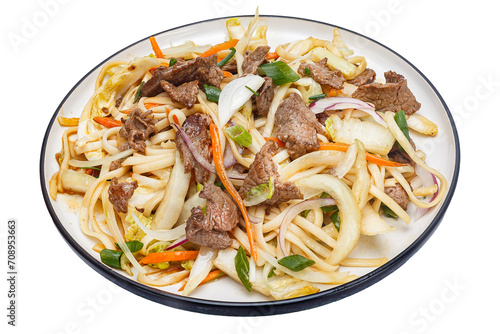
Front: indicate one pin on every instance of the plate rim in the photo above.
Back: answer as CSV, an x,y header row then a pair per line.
x,y
262,308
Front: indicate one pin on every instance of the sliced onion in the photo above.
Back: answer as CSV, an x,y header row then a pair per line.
x,y
201,160
346,164
177,243
161,235
235,94
294,210
339,103
201,267
428,179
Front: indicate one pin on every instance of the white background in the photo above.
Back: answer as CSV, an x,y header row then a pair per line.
x,y
450,285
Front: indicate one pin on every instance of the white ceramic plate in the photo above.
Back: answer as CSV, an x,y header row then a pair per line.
x,y
226,296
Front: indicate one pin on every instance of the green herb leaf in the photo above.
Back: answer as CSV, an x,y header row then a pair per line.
x,y
227,58
317,97
212,92
172,62
133,245
335,218
111,257
243,268
295,262
280,72
239,135
271,273
138,92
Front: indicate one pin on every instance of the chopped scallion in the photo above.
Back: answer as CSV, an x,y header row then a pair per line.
x,y
172,62
138,92
227,58
317,97
239,135
253,92
280,72
295,262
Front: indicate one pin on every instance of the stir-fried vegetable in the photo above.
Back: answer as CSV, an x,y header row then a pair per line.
x,y
113,257
219,47
169,256
295,262
280,72
239,135
242,266
221,171
156,48
370,157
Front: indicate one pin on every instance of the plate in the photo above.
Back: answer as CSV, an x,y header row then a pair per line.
x,y
226,297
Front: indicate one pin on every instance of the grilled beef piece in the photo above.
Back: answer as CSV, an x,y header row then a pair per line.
x,y
261,170
196,127
119,194
211,229
265,98
323,74
137,128
297,126
399,155
394,95
366,77
203,69
184,94
399,195
253,59
231,67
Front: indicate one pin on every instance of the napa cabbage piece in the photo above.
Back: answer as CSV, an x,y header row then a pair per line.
x,y
107,94
376,138
76,181
185,50
308,87
279,287
133,232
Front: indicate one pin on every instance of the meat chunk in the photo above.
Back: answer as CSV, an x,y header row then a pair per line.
x,y
211,229
261,170
119,194
196,127
399,195
184,94
253,59
297,126
394,95
366,77
323,74
231,67
265,98
137,128
203,69
399,155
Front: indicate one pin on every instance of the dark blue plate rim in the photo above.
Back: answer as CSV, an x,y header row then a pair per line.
x,y
252,308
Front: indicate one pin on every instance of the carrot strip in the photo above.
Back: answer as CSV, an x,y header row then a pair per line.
x,y
169,257
156,48
219,47
279,142
227,74
210,277
369,157
108,122
221,171
272,55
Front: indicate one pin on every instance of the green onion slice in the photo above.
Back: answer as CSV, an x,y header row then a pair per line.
x,y
295,262
138,92
280,72
400,119
172,62
212,92
111,257
317,97
227,58
239,135
243,268
253,92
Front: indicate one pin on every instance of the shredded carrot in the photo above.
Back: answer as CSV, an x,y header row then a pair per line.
x,y
156,48
219,47
369,157
333,92
279,142
169,257
272,55
108,122
214,274
221,172
67,121
176,120
227,74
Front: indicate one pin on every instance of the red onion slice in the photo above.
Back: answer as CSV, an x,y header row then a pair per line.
x,y
428,179
339,103
178,242
201,160
293,211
